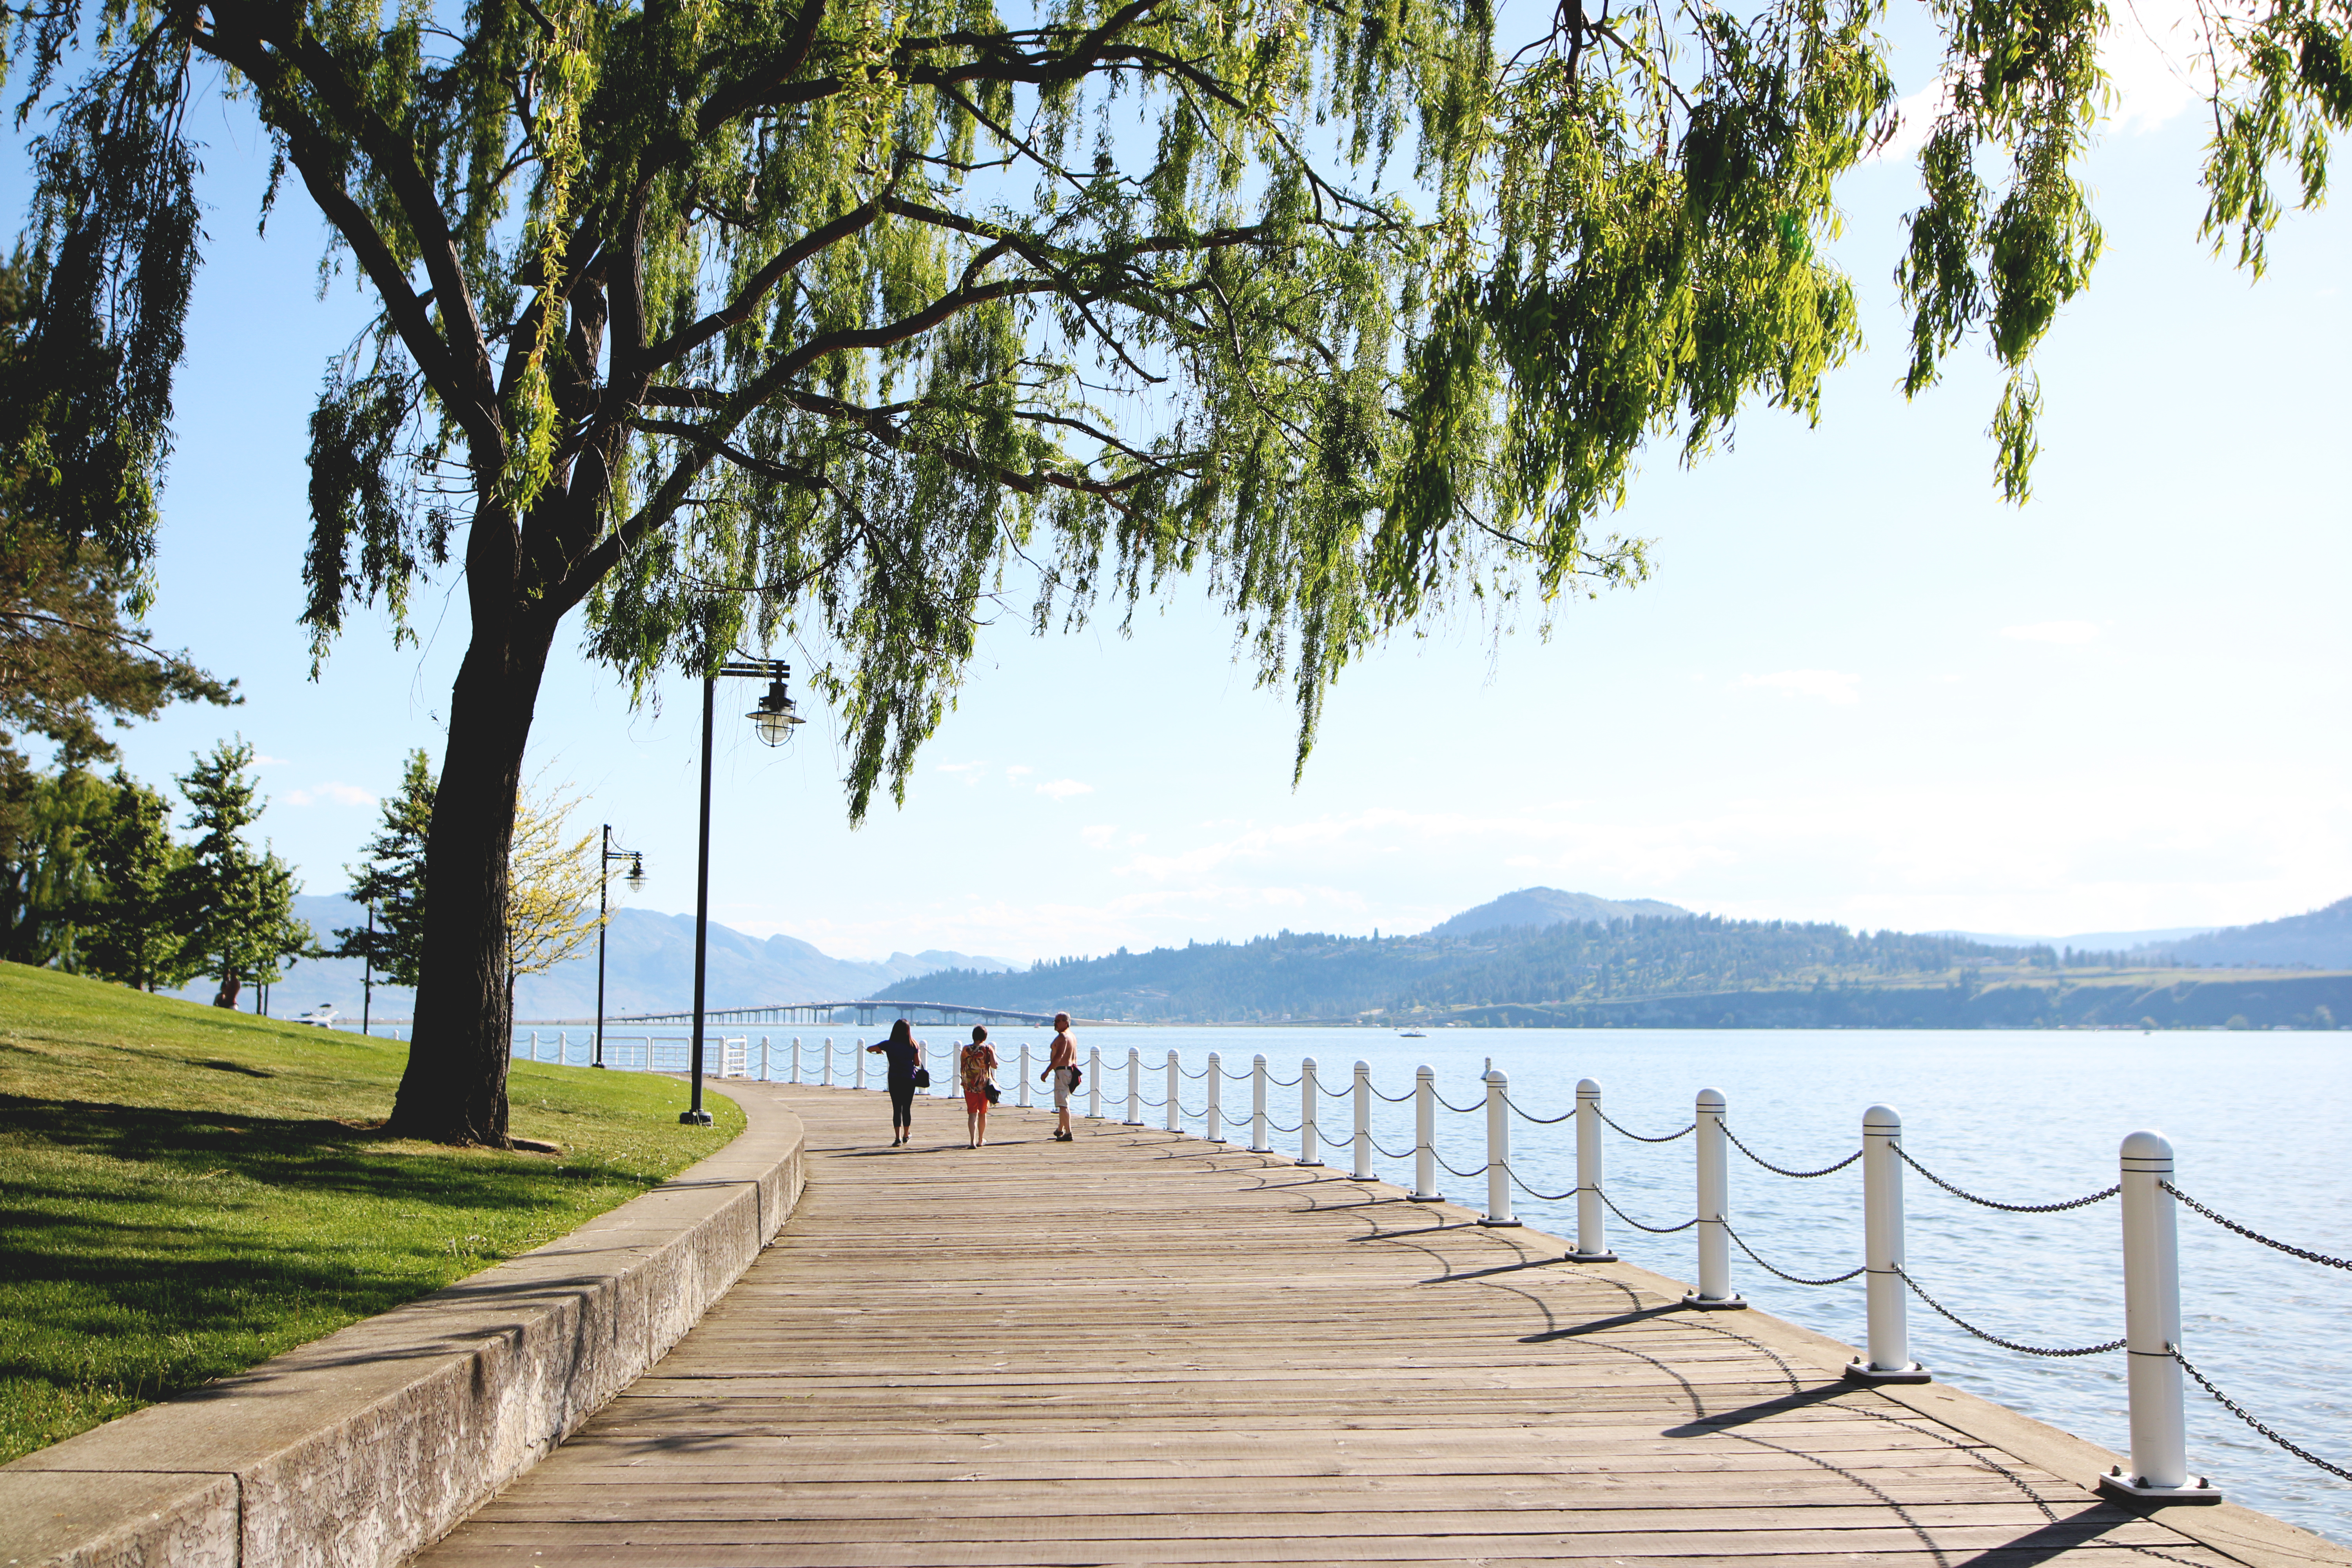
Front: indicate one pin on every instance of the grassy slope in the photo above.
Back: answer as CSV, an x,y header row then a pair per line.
x,y
184,1191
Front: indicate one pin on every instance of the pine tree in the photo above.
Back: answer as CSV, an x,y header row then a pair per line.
x,y
131,931
238,906
391,878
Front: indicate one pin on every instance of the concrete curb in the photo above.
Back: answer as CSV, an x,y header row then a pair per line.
x,y
358,1449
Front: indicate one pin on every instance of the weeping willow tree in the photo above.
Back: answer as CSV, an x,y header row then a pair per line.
x,y
837,322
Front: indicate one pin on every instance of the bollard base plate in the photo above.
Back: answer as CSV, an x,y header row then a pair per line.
x,y
1311,1164
1715,1303
2116,1481
1589,1257
1860,1371
1426,1198
1253,1148
694,1119
1501,1223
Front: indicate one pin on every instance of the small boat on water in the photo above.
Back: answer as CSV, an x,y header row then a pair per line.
x,y
1411,1034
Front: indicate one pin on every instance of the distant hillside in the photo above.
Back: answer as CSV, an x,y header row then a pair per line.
x,y
1541,907
2322,940
1309,975
649,968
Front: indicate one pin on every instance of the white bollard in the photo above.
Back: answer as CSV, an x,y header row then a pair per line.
x,y
1134,1092
562,1045
764,1060
2159,1436
1024,1074
828,1061
1216,1134
857,1055
1424,1136
1257,1143
1094,1083
1498,1150
1363,1138
1886,1356
796,1058
534,1044
1713,1202
1309,1152
1175,1094
1592,1233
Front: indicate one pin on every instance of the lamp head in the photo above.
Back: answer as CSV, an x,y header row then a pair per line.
x,y
775,716
635,877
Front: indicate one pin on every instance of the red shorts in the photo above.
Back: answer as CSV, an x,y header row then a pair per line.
x,y
975,1099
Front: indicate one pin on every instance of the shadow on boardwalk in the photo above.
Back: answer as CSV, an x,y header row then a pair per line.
x,y
1141,1349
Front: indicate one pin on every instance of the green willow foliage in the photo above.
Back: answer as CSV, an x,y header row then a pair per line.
x,y
735,321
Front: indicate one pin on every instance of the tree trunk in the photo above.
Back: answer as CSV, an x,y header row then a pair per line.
x,y
454,1088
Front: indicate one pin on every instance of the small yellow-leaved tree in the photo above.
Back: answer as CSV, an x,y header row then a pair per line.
x,y
551,885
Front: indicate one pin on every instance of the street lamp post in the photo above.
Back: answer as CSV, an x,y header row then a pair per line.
x,y
367,975
635,879
773,721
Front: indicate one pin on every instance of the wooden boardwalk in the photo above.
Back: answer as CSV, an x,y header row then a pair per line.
x,y
1141,1349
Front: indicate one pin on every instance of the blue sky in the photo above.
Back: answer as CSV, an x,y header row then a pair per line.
x,y
1858,687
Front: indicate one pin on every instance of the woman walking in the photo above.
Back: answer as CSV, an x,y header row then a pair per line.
x,y
1062,1069
979,1079
904,1054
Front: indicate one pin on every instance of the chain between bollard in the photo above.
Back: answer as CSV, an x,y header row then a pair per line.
x,y
1465,1175
1780,1171
1547,1197
1393,1153
1637,1224
1282,1083
1996,1339
2240,1411
1393,1099
1457,1109
2227,1223
2098,1197
1196,1077
1274,1126
1638,1138
1531,1116
1791,1279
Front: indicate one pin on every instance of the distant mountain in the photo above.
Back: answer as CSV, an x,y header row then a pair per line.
x,y
2085,942
2322,939
1541,907
1302,975
649,968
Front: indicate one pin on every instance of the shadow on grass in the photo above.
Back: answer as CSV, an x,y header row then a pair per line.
x,y
202,1242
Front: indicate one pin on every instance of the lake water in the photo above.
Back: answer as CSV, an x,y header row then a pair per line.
x,y
2256,1121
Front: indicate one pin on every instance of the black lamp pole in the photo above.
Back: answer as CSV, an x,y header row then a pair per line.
x,y
367,975
604,882
773,720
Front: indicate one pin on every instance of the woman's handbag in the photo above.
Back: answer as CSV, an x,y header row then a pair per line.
x,y
922,1078
993,1093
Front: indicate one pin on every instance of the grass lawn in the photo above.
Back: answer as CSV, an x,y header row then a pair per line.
x,y
184,1191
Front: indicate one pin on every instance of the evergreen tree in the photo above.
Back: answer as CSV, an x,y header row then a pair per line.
x,y
131,931
392,878
238,906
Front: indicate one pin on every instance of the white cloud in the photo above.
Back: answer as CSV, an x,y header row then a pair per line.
x,y
1828,685
264,760
1099,837
1019,771
1063,789
2070,632
969,772
331,793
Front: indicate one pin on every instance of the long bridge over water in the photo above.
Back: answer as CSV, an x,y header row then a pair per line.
x,y
865,1010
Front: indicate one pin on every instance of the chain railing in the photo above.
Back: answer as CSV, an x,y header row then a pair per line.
x,y
2152,1321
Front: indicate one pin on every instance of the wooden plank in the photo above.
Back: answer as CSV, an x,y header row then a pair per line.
x,y
1136,1349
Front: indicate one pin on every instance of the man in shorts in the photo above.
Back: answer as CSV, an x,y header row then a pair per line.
x,y
1062,1068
